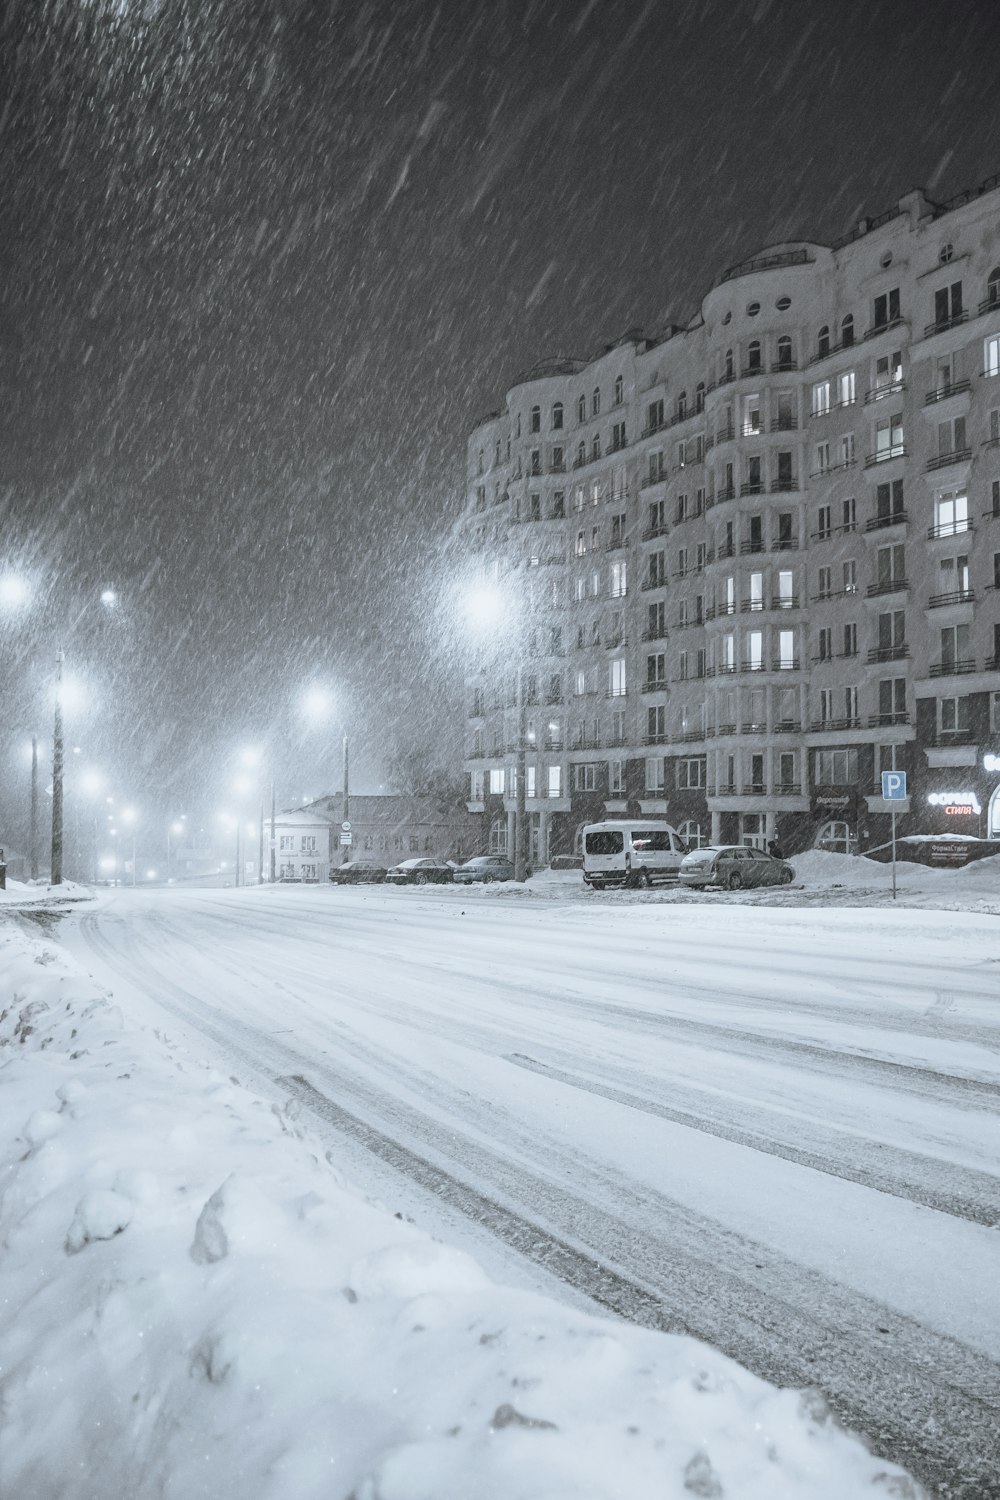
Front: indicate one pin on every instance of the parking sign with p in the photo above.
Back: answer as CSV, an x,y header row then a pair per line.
x,y
893,786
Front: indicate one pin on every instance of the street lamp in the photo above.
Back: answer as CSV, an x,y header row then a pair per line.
x,y
318,704
487,608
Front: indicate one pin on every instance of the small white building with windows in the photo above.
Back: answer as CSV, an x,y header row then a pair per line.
x,y
303,845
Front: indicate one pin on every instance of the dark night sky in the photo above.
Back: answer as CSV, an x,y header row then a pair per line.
x,y
264,262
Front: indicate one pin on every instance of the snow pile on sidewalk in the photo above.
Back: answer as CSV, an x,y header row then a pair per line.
x,y
195,1305
40,893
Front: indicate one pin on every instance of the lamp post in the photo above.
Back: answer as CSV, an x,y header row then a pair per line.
x,y
487,608
55,874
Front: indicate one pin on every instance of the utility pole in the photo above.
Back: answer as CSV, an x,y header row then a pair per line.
x,y
34,807
345,816
521,793
55,875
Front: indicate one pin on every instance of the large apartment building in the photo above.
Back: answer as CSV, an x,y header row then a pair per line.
x,y
755,561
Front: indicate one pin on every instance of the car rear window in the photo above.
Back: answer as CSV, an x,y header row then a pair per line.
x,y
606,841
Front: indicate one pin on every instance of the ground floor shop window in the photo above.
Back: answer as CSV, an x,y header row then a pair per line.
x,y
752,830
835,837
993,816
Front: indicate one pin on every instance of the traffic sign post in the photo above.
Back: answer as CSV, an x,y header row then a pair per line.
x,y
893,790
346,835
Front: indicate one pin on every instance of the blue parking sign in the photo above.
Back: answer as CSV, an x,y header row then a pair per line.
x,y
893,786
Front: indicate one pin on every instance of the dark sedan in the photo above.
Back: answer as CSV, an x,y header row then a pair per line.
x,y
420,872
356,872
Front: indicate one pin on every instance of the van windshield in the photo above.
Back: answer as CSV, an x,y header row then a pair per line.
x,y
605,841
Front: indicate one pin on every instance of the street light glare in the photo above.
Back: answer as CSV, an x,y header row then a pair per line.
x,y
485,606
14,591
317,702
109,598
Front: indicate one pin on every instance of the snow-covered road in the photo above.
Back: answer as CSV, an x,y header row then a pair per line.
x,y
776,1129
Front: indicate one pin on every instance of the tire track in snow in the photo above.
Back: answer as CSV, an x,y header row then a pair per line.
x,y
980,1203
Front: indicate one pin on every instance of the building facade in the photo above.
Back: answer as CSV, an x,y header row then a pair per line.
x,y
384,830
753,562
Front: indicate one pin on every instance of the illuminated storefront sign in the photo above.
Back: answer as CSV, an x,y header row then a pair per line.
x,y
991,762
956,804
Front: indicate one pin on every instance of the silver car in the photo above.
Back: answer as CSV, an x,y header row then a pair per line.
x,y
484,869
733,867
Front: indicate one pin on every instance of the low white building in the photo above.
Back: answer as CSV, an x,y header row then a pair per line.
x,y
303,845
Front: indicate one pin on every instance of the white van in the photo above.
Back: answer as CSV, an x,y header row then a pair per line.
x,y
631,851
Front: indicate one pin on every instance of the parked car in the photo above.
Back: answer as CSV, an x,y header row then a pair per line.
x,y
631,851
485,868
356,872
733,867
420,872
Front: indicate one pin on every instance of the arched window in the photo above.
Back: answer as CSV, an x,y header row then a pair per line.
x,y
581,452
581,409
823,341
847,331
993,288
692,835
784,353
682,404
595,401
498,836
557,415
835,837
753,354
536,419
699,396
619,391
729,364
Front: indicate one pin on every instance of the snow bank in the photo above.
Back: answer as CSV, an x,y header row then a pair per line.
x,y
39,892
196,1305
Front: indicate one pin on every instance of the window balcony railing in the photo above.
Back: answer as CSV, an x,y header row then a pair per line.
x,y
722,789
942,392
893,518
725,433
652,479
953,596
554,742
784,486
651,532
884,720
787,726
945,737
654,685
788,789
553,698
887,586
888,653
834,726
587,742
659,633
781,365
784,424
751,429
990,304
725,729
616,693
879,392
877,328
754,789
751,606
949,528
960,667
752,487
756,544
785,544
786,664
655,739
725,492
725,550
751,726
883,455
943,324
616,543
944,460
653,583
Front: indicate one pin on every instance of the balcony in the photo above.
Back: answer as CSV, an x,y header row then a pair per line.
x,y
725,492
784,486
956,388
784,423
752,487
725,434
943,324
788,726
770,262
990,304
652,532
887,586
949,528
659,634
884,721
553,742
754,789
961,667
787,664
945,460
553,698
833,726
879,392
654,685
893,518
954,596
724,551
884,455
887,653
654,583
751,727
651,479
724,789
877,328
785,544
947,737
780,366
654,739
617,543
755,545
788,789
587,742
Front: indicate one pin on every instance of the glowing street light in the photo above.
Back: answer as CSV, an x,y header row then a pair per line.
x,y
15,591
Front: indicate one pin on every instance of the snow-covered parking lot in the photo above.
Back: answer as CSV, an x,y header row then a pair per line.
x,y
765,1125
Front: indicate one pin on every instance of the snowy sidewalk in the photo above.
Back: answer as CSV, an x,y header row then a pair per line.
x,y
195,1305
